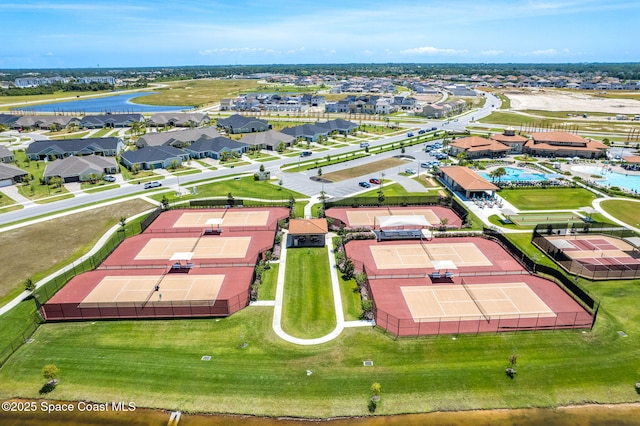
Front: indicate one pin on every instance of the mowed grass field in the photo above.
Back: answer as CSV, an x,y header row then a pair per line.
x,y
308,309
626,211
548,198
197,92
37,250
157,364
370,168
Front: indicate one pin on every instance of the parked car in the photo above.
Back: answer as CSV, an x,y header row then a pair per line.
x,y
374,181
434,128
410,134
365,184
109,178
153,184
305,153
364,144
425,165
410,171
421,132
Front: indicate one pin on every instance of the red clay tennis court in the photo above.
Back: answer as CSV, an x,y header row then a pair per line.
x,y
175,268
369,217
459,285
146,293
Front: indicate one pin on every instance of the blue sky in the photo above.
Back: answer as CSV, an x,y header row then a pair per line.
x,y
117,33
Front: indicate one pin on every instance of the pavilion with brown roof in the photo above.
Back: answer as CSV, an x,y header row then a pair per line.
x,y
564,144
467,181
307,232
476,146
631,162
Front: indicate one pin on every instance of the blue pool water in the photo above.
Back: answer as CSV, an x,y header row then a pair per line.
x,y
515,174
630,182
115,104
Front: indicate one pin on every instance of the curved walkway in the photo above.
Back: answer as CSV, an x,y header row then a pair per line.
x,y
337,301
596,205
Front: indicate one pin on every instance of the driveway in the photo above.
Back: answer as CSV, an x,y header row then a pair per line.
x,y
12,192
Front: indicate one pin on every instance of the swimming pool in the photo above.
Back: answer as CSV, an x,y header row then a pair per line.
x,y
631,182
514,175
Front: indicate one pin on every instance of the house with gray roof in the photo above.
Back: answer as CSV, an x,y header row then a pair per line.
x,y
10,174
179,119
339,125
6,155
110,120
268,140
45,122
80,169
178,138
308,132
215,147
240,124
8,120
39,150
153,157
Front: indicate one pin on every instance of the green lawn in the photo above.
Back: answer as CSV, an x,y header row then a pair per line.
x,y
548,198
308,309
626,211
244,187
269,280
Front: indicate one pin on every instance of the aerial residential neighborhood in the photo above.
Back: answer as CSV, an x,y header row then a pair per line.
x,y
252,213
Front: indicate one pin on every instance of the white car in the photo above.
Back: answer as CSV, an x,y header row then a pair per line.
x,y
153,184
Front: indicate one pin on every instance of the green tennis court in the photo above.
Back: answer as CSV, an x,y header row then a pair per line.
x,y
535,218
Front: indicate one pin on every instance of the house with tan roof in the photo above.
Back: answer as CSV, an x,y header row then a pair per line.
x,y
564,144
477,147
307,232
465,180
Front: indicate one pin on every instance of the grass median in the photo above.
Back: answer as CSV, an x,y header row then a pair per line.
x,y
308,310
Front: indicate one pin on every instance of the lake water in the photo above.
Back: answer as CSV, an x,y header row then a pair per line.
x,y
628,181
114,104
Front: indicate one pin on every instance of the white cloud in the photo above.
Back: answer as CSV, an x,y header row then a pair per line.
x,y
544,52
491,52
430,50
225,50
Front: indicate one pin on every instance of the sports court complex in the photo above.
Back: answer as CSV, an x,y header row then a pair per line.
x,y
607,253
427,217
430,286
187,263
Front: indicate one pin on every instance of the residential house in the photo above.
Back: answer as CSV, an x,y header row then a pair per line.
x,y
215,147
478,147
153,157
177,139
564,144
240,124
110,120
308,132
39,150
10,174
80,169
175,119
8,120
46,122
6,155
339,125
269,140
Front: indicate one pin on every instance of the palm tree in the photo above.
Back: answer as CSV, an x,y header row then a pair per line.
x,y
498,173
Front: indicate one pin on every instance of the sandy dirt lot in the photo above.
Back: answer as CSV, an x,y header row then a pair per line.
x,y
569,101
